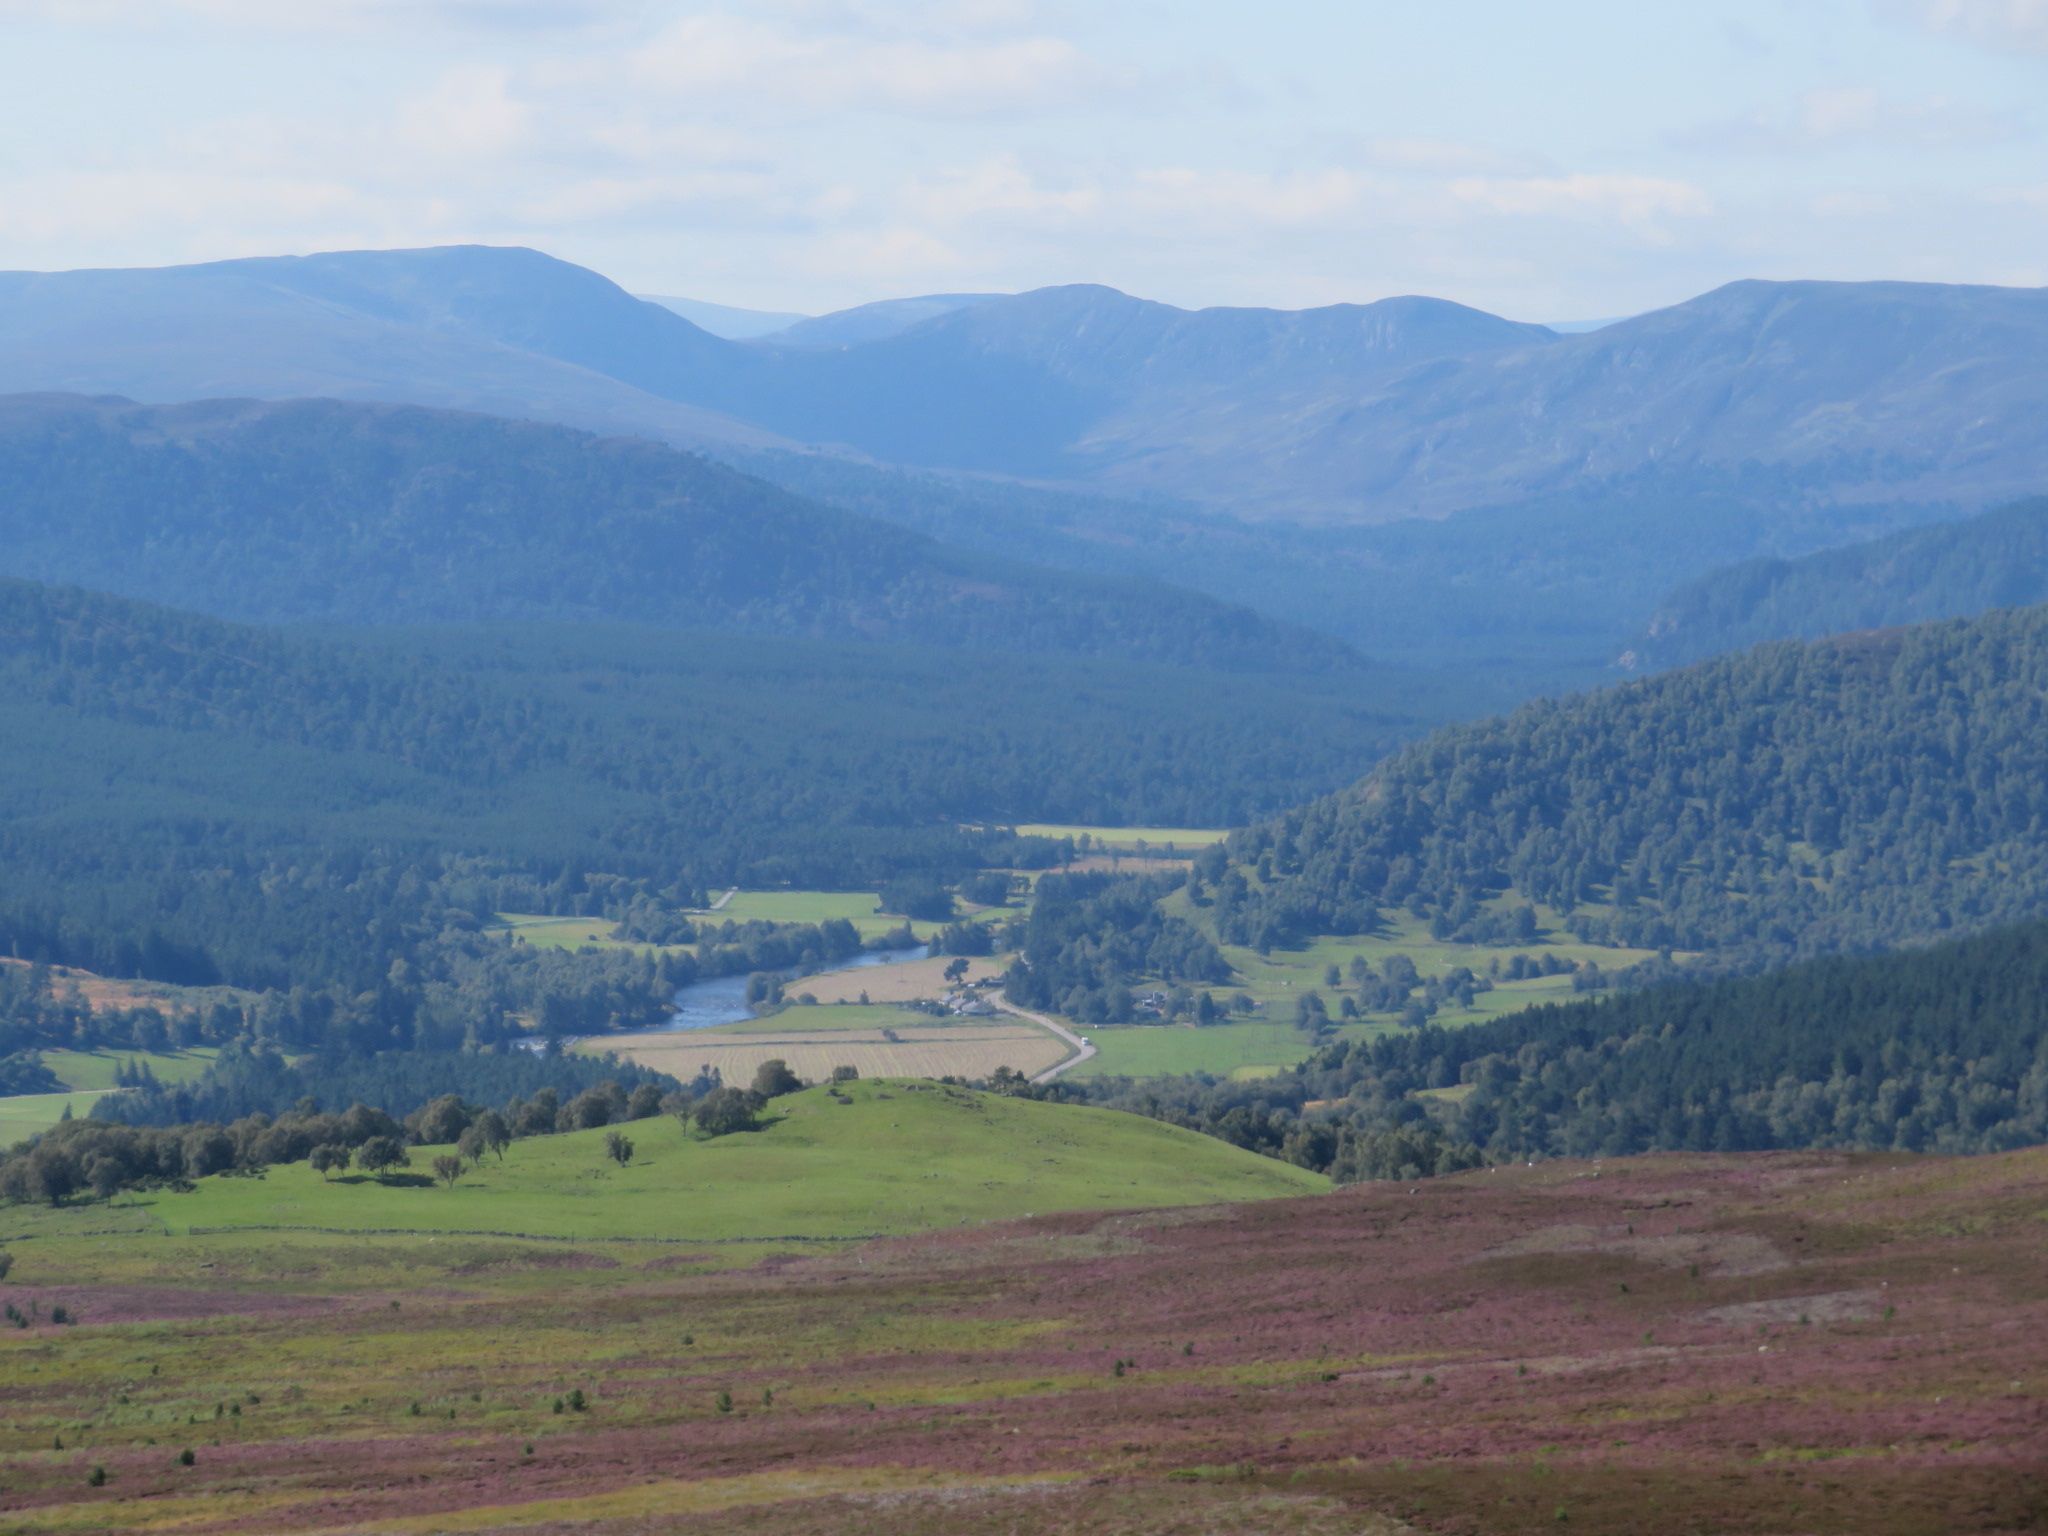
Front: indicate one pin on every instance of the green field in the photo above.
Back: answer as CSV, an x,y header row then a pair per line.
x,y
563,932
30,1114
83,1070
1128,837
856,907
1279,978
90,1075
1267,1041
901,1157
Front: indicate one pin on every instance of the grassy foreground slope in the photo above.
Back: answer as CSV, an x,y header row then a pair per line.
x,y
898,1158
1820,1343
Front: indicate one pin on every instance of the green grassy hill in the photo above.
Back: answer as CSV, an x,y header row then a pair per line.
x,y
898,1158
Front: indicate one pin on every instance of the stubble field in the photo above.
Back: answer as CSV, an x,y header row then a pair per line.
x,y
966,1049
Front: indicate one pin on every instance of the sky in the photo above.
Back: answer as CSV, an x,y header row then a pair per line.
x,y
1571,159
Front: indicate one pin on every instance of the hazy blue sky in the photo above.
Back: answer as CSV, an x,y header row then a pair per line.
x,y
1545,160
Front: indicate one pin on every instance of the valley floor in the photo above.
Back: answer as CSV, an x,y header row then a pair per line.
x,y
1822,1343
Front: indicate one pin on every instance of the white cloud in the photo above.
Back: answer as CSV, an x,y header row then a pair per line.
x,y
809,153
1638,202
1852,205
470,112
2015,26
356,15
1834,116
751,64
1439,157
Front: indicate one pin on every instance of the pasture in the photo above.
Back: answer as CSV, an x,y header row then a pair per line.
x,y
85,1070
30,1114
855,907
563,932
1277,979
89,1077
893,1157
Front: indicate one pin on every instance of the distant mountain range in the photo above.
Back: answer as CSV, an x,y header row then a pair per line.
x,y
1808,392
364,514
725,320
872,322
1409,474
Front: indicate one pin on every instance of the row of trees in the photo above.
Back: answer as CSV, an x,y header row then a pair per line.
x,y
105,1156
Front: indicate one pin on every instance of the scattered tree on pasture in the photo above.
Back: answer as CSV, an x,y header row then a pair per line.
x,y
618,1148
380,1154
448,1169
772,1079
491,1128
725,1110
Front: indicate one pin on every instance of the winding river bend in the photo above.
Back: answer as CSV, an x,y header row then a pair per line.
x,y
708,1004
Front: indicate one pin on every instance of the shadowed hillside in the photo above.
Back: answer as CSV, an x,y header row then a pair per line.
x,y
356,514
1953,570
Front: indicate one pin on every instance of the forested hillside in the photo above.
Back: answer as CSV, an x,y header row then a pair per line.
x,y
195,800
359,514
1795,799
1952,570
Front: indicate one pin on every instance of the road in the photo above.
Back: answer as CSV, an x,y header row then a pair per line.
x,y
1082,1049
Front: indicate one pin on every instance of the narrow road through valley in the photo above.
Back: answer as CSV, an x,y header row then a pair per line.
x,y
1082,1049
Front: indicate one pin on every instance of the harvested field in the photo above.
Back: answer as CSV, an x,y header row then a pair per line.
x,y
965,1050
906,983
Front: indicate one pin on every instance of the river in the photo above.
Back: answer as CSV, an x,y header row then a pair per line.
x,y
708,1004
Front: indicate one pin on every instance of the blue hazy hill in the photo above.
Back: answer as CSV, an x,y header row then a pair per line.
x,y
1955,570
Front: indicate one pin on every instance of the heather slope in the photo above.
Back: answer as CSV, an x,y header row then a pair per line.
x,y
1839,1345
